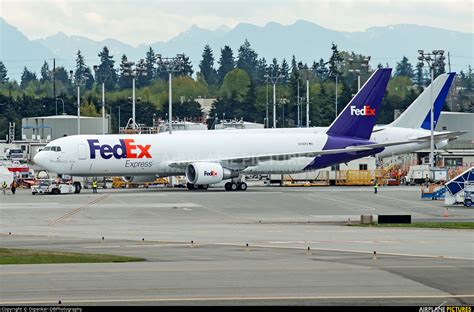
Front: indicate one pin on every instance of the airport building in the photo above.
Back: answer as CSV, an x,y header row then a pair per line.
x,y
47,128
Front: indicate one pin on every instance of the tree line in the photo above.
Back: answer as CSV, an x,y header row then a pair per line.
x,y
240,83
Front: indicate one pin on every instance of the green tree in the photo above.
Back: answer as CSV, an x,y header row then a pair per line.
x,y
106,69
27,77
45,73
124,81
206,66
404,68
320,70
89,110
261,70
226,63
151,73
247,60
469,79
3,73
419,76
187,68
334,62
235,82
274,68
284,70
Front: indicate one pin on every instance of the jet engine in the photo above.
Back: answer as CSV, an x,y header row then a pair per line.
x,y
203,173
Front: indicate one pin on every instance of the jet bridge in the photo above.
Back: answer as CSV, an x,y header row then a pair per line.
x,y
460,188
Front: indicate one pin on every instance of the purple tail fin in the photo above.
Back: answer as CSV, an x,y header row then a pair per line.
x,y
359,116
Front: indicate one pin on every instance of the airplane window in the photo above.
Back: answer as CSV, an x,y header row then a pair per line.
x,y
53,148
47,148
58,148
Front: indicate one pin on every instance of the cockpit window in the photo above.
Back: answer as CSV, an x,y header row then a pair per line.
x,y
47,148
53,148
58,148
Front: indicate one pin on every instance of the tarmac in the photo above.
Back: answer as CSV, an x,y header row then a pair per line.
x,y
411,266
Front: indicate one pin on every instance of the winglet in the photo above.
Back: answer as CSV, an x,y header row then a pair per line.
x,y
358,117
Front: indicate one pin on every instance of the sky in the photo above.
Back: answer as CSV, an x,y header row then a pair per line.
x,y
148,21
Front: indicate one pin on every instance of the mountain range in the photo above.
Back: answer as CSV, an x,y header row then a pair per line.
x,y
306,40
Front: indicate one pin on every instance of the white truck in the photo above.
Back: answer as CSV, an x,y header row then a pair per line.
x,y
420,173
52,186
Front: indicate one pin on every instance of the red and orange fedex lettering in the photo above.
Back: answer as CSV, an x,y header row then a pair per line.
x,y
126,149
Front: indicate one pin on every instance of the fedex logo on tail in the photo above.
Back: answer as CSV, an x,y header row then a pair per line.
x,y
364,111
125,149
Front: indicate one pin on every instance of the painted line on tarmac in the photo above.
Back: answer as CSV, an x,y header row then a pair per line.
x,y
73,212
410,201
254,298
342,201
354,251
343,267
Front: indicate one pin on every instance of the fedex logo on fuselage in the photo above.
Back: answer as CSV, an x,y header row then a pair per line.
x,y
125,149
364,111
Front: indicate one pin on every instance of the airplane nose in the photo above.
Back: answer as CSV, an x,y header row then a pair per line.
x,y
39,159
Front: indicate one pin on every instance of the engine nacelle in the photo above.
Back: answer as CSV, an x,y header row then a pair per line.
x,y
139,179
202,173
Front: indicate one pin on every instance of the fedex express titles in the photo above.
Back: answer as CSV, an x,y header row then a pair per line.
x,y
126,149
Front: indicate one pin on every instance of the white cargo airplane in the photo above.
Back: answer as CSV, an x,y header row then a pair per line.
x,y
412,124
214,157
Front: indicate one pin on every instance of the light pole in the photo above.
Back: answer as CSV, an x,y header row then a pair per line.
x,y
103,75
306,72
78,81
58,98
266,108
274,81
170,65
361,64
434,59
138,70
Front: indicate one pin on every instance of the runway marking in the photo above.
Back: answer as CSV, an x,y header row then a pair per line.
x,y
65,302
354,251
342,201
343,266
410,201
73,212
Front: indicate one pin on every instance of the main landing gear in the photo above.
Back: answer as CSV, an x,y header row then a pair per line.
x,y
235,186
229,186
192,187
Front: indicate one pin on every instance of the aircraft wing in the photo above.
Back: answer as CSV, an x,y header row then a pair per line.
x,y
251,160
452,135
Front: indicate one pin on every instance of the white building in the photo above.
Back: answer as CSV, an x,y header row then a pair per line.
x,y
47,128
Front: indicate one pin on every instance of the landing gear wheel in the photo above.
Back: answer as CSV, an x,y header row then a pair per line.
x,y
190,186
77,187
205,186
233,187
227,186
242,186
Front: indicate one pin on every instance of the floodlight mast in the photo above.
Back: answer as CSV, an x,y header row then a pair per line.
x,y
78,81
170,65
138,70
434,59
274,80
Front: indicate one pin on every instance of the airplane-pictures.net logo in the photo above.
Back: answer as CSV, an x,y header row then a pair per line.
x,y
125,149
364,111
212,173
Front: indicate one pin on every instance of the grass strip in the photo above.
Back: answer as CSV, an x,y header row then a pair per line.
x,y
28,256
